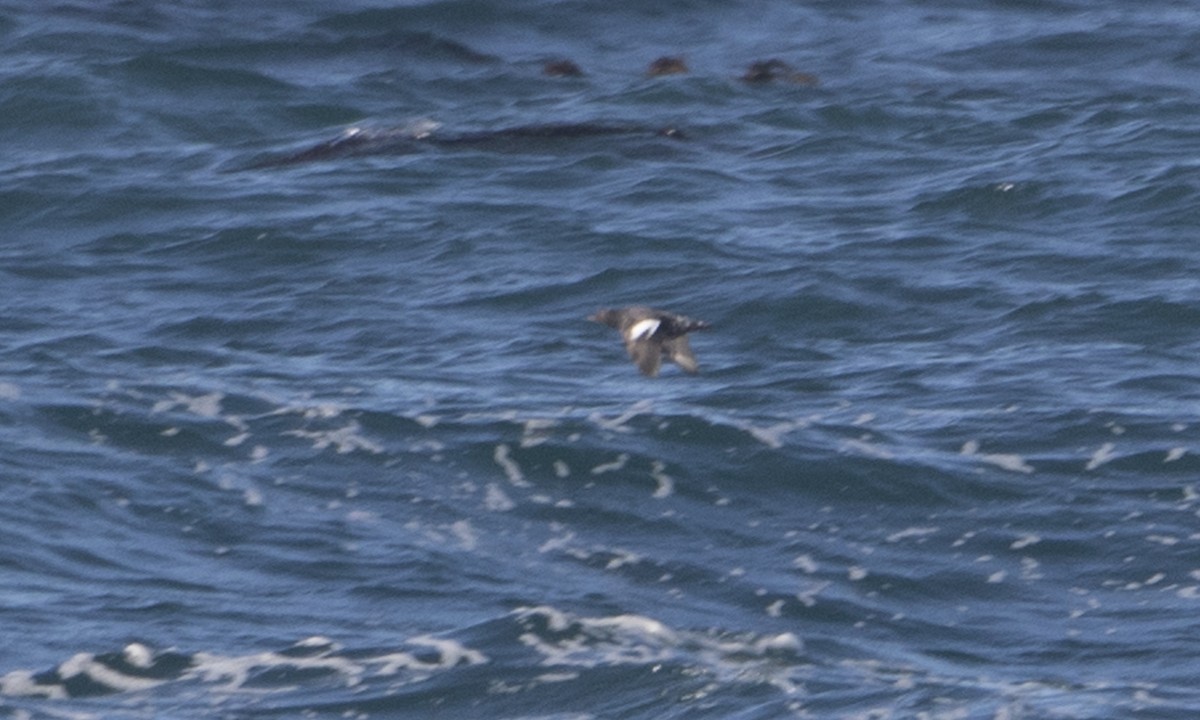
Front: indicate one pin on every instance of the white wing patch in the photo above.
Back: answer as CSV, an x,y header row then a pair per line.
x,y
643,329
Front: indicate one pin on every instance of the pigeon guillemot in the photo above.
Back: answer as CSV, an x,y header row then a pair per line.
x,y
651,335
763,71
562,68
667,65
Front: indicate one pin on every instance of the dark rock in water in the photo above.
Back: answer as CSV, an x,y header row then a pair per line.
x,y
562,68
352,143
358,142
762,71
667,65
553,131
651,335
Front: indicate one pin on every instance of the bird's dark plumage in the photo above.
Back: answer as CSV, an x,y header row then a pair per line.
x,y
651,335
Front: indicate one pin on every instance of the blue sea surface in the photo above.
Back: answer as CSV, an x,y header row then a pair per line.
x,y
301,414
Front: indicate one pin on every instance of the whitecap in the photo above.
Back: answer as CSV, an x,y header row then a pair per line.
x,y
613,466
1025,541
1007,461
1102,455
666,485
497,500
917,532
511,470
343,440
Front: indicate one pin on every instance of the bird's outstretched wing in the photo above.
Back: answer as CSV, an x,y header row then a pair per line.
x,y
647,354
679,351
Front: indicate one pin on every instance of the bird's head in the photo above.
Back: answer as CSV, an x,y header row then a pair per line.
x,y
605,316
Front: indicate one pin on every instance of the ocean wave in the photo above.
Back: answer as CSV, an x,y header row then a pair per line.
x,y
540,656
939,456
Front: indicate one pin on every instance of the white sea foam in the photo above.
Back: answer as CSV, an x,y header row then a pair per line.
x,y
666,486
85,664
772,435
613,466
496,500
235,672
252,497
23,683
912,532
452,653
208,406
621,558
628,639
808,594
138,655
344,440
421,128
1025,541
536,431
1006,461
465,534
864,446
805,563
1103,454
426,420
557,544
617,423
964,538
511,470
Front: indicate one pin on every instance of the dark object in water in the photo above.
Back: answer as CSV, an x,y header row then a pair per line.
x,y
762,71
553,131
562,68
354,141
667,65
651,335
357,142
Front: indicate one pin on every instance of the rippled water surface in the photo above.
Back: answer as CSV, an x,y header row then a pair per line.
x,y
300,414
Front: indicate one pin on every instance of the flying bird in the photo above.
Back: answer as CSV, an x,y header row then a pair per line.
x,y
651,335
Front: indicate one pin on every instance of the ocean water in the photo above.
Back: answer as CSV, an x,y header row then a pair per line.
x,y
301,416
